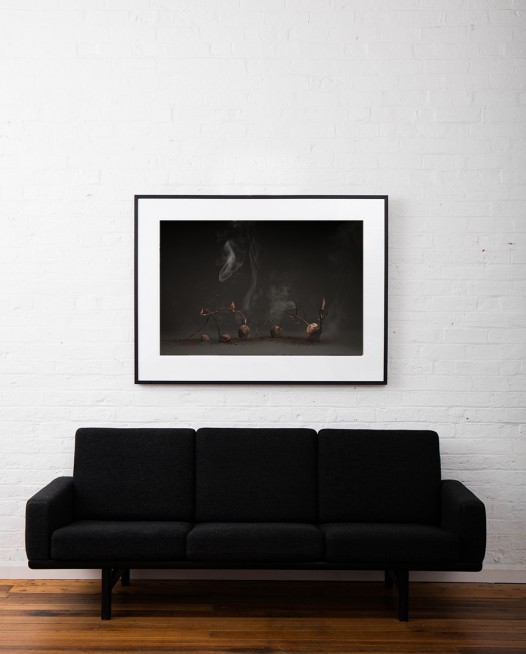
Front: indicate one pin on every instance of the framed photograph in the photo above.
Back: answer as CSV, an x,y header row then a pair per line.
x,y
261,289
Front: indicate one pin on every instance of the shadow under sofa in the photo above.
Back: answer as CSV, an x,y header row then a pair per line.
x,y
256,498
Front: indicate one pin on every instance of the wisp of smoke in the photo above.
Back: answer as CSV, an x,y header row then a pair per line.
x,y
234,255
232,262
279,301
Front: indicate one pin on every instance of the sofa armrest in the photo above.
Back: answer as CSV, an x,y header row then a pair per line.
x,y
464,515
47,510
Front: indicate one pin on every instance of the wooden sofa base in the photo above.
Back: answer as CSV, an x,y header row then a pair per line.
x,y
112,572
110,576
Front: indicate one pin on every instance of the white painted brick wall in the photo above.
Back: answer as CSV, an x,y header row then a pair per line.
x,y
422,100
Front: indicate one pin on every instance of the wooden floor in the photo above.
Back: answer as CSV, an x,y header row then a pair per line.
x,y
254,617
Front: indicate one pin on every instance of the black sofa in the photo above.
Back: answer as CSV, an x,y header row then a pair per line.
x,y
256,499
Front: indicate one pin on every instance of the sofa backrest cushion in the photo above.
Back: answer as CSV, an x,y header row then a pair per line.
x,y
379,476
256,475
134,474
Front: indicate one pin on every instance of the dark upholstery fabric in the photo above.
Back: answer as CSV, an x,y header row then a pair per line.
x,y
381,500
254,542
256,475
370,475
47,510
134,474
389,543
465,515
99,540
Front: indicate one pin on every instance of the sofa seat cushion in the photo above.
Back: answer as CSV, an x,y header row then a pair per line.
x,y
394,543
108,540
253,541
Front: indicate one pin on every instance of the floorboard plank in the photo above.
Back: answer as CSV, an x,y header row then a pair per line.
x,y
256,617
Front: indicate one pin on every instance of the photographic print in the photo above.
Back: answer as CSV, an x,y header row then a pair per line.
x,y
260,289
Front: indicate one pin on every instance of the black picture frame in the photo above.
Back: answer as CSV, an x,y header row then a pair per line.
x,y
294,262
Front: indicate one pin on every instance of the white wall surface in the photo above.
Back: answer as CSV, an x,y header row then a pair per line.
x,y
422,100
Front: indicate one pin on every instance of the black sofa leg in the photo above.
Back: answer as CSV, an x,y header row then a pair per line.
x,y
109,578
105,609
400,578
125,578
403,595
